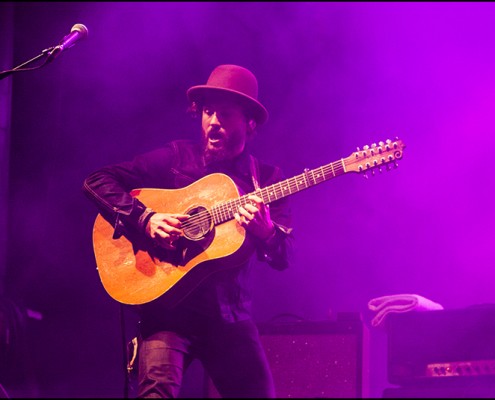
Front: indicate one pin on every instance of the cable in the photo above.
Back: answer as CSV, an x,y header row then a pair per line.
x,y
124,351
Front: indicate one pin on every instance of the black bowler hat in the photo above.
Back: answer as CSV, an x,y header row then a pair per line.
x,y
235,80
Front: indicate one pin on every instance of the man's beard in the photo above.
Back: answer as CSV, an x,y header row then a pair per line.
x,y
229,149
214,155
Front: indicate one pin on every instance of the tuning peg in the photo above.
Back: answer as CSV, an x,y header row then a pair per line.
x,y
396,164
365,175
373,148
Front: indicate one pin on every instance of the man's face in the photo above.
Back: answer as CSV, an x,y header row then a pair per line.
x,y
224,130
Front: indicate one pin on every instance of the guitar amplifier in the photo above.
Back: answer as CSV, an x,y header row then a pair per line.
x,y
326,359
451,346
316,359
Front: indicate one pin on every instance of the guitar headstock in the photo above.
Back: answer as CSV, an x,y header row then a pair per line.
x,y
375,156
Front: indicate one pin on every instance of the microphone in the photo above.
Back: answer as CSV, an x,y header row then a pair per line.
x,y
78,32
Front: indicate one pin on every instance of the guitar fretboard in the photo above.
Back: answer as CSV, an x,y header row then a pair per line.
x,y
225,211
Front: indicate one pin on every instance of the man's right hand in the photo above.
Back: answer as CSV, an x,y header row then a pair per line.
x,y
165,229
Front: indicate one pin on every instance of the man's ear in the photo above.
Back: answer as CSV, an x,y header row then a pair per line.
x,y
251,127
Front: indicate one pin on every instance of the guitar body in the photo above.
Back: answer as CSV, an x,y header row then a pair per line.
x,y
133,271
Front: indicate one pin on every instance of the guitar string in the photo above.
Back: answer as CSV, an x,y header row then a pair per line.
x,y
226,209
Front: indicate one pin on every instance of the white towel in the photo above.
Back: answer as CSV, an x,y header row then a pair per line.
x,y
399,303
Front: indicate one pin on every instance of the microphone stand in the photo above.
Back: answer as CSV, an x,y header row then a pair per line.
x,y
45,53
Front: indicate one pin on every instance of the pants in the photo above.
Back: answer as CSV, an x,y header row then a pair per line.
x,y
231,354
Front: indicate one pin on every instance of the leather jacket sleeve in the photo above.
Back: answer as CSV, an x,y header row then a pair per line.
x,y
277,251
109,188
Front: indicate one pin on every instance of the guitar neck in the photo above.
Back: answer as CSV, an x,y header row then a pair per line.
x,y
368,158
225,211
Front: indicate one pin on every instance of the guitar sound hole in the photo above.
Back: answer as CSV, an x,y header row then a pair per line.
x,y
199,224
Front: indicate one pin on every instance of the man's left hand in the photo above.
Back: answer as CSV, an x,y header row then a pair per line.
x,y
255,218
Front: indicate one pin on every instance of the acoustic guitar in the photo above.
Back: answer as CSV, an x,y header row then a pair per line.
x,y
134,271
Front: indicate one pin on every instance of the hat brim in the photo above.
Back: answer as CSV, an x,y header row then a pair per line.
x,y
201,92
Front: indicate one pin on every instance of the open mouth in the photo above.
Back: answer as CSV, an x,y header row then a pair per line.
x,y
215,138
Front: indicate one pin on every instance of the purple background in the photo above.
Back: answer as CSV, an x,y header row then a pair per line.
x,y
334,76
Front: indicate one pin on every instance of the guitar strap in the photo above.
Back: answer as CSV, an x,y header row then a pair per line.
x,y
255,172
